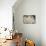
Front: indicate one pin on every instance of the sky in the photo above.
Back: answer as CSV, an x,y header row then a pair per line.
x,y
6,13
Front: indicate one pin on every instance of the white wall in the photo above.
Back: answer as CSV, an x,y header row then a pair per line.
x,y
43,22
6,13
36,32
31,31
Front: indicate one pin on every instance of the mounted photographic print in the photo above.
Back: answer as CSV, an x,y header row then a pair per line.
x,y
29,19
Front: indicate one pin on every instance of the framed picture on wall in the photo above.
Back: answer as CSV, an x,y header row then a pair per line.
x,y
29,19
